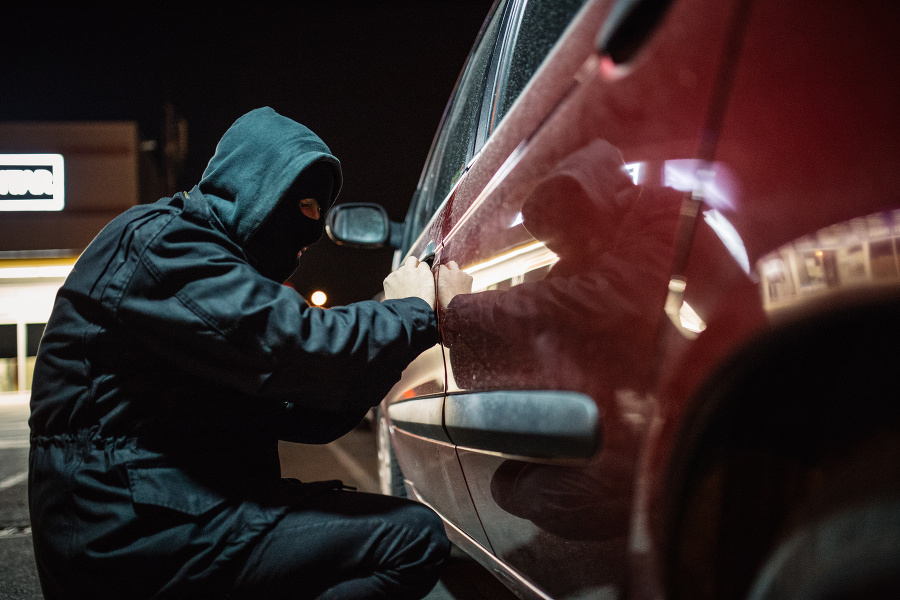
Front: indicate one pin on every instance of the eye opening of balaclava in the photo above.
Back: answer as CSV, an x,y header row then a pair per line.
x,y
274,247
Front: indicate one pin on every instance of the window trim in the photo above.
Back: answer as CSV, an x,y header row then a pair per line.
x,y
506,38
435,155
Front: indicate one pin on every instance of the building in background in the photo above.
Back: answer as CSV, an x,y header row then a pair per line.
x,y
60,184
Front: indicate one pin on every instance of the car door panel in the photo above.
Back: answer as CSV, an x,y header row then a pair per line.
x,y
428,461
414,409
438,481
571,245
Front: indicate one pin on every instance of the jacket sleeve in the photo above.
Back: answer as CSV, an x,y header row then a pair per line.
x,y
195,301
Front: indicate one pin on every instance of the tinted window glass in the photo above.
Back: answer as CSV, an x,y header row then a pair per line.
x,y
456,139
543,21
462,121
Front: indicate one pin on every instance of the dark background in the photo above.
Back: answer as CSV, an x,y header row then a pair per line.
x,y
371,78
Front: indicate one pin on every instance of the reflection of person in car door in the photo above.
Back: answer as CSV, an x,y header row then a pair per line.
x,y
588,327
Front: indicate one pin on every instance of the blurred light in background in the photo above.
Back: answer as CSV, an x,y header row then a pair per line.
x,y
319,298
35,272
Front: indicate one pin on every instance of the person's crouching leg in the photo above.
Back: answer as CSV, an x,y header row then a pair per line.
x,y
348,545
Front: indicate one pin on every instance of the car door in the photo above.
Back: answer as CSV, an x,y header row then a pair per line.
x,y
570,240
413,408
486,90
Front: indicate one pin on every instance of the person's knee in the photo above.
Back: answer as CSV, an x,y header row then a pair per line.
x,y
422,517
420,557
434,526
429,523
425,534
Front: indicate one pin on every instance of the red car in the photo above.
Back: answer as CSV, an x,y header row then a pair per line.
x,y
677,374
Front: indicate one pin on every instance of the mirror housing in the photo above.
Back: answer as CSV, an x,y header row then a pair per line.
x,y
362,225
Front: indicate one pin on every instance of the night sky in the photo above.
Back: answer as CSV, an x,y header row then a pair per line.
x,y
371,78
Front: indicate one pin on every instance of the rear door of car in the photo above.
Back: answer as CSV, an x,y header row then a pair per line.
x,y
568,222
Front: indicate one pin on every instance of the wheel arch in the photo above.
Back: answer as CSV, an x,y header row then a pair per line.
x,y
776,435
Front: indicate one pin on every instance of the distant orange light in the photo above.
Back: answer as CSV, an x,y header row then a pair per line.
x,y
319,298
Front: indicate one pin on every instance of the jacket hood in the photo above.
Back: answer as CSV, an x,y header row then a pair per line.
x,y
256,162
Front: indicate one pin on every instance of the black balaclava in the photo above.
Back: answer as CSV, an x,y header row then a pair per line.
x,y
264,165
274,247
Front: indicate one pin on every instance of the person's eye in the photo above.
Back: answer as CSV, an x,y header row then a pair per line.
x,y
310,208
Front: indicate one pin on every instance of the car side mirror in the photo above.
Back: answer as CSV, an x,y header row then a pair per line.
x,y
362,225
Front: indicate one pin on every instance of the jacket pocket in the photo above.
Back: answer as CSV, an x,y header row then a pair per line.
x,y
172,488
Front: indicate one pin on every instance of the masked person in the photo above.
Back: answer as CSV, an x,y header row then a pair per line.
x,y
175,360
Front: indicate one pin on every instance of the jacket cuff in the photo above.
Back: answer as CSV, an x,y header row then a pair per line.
x,y
421,319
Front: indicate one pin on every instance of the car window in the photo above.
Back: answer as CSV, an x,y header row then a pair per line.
x,y
455,142
462,121
541,25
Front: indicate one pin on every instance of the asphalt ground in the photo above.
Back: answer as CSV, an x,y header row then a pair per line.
x,y
18,576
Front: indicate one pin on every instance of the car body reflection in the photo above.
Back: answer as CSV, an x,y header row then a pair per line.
x,y
583,321
841,258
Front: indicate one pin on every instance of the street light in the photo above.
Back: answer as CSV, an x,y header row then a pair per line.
x,y
318,298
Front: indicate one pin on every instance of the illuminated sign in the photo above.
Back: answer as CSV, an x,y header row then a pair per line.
x,y
31,182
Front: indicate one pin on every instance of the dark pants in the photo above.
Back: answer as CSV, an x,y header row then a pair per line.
x,y
347,545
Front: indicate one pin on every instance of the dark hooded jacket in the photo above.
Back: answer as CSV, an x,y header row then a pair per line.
x,y
171,367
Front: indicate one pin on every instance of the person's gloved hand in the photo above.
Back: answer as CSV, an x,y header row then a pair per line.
x,y
412,279
452,281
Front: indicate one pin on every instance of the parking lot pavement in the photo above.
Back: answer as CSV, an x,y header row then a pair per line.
x,y
351,459
18,576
